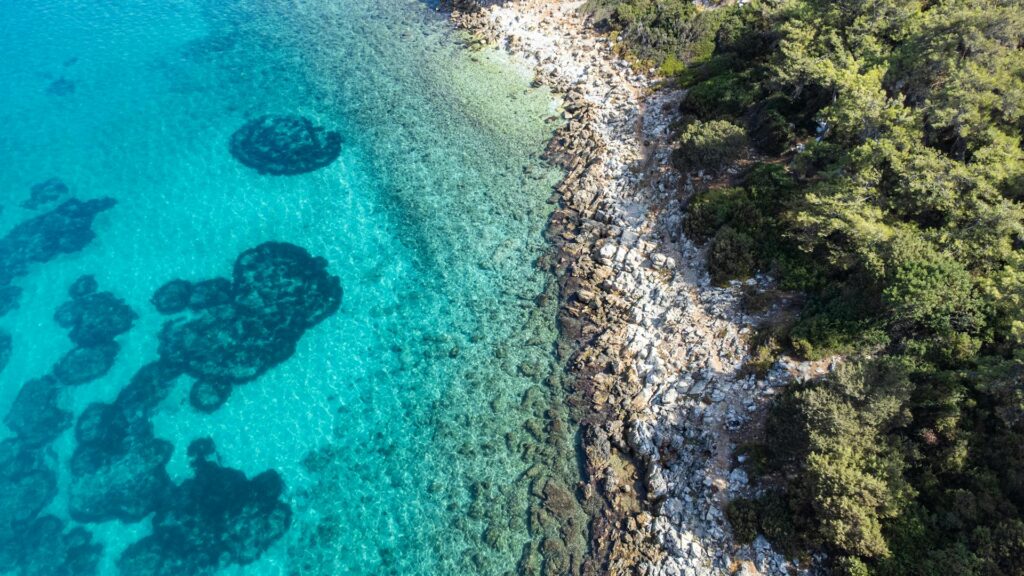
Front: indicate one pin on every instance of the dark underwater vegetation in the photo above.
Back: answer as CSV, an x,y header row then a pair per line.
x,y
63,230
283,145
219,516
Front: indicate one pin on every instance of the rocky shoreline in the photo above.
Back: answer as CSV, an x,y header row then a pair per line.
x,y
655,352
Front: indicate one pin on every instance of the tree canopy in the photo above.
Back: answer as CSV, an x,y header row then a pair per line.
x,y
888,189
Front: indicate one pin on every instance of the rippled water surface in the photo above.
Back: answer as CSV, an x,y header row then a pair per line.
x,y
355,373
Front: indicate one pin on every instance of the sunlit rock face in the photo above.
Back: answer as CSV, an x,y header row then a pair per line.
x,y
284,145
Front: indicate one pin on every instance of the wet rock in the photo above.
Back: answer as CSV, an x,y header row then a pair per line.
x,y
217,518
279,291
63,230
50,551
35,416
85,364
207,396
284,145
61,87
84,286
96,318
172,297
210,293
27,485
45,192
9,296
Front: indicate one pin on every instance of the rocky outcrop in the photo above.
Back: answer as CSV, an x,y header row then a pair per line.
x,y
654,349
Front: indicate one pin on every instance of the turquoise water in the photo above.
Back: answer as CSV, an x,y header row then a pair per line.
x,y
416,426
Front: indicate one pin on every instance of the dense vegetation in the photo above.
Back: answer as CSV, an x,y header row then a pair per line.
x,y
887,188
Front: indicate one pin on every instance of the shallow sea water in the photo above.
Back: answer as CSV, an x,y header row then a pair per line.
x,y
410,427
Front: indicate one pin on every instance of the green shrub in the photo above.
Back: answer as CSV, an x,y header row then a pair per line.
x,y
771,132
731,256
779,523
726,95
742,515
710,146
850,566
712,209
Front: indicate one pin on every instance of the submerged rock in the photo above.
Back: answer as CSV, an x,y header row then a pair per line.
x,y
210,293
48,550
27,485
95,318
45,192
63,230
217,518
85,364
35,416
284,145
278,292
172,297
5,349
283,282
61,87
9,296
85,285
208,396
117,470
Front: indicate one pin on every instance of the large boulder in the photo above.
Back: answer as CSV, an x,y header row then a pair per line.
x,y
207,396
148,388
283,145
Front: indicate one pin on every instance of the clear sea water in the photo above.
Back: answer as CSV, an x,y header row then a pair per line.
x,y
410,427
